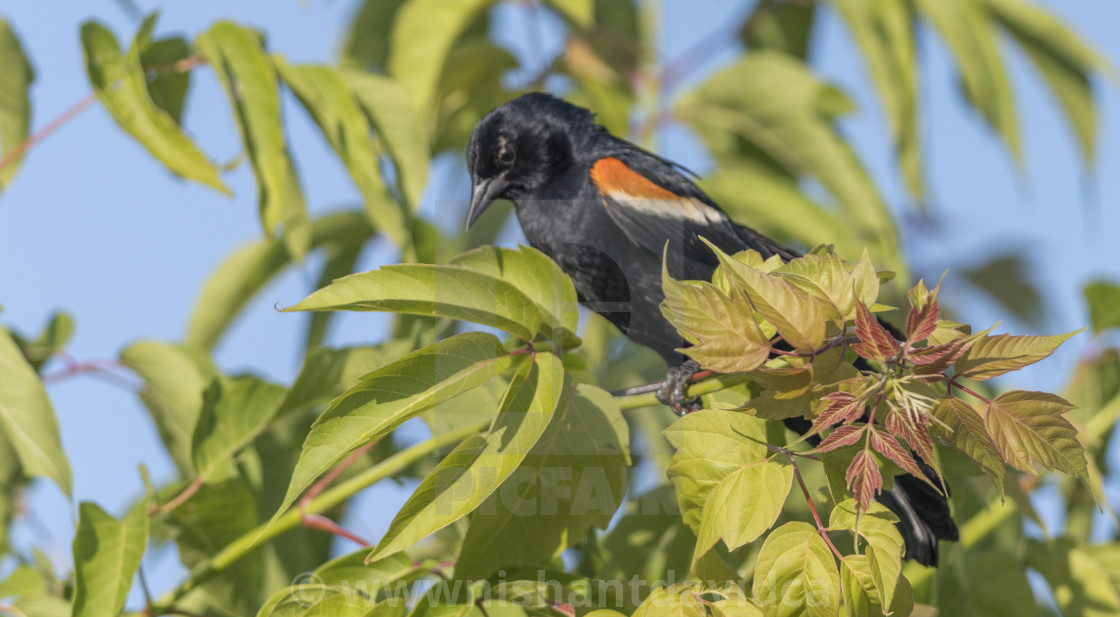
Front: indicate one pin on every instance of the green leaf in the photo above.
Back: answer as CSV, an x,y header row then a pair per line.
x,y
962,427
744,505
675,601
239,58
378,579
392,394
27,418
234,412
402,129
1030,427
1008,280
328,372
724,335
329,101
479,465
367,39
572,479
1103,299
884,548
175,378
711,445
796,574
107,553
1080,583
168,83
884,31
794,126
121,86
971,38
539,278
423,34
861,597
989,582
441,291
15,107
993,356
799,317
579,12
828,279
780,26
250,268
1064,59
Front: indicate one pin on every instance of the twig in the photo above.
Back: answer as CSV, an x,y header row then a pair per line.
x,y
714,384
182,497
953,383
780,450
45,132
254,538
821,529
320,522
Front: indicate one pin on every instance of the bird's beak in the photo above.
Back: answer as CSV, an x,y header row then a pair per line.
x,y
483,194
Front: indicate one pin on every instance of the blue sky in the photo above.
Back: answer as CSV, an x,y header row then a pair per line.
x,y
94,226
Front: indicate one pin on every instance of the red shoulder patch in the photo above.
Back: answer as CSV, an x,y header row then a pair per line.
x,y
612,176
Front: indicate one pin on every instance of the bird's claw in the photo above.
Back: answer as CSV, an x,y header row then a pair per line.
x,y
674,390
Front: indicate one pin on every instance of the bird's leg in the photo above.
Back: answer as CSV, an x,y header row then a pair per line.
x,y
674,390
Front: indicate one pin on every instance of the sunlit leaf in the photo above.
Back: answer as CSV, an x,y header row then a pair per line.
x,y
329,101
121,85
1103,299
481,463
175,378
724,335
962,427
423,33
1031,427
441,291
883,548
992,356
884,31
861,597
234,412
744,505
796,574
367,39
107,553
387,397
239,58
799,317
15,107
971,38
711,444
539,278
1065,60
27,418
572,479
399,126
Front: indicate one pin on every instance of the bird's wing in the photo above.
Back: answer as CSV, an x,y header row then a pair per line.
x,y
672,209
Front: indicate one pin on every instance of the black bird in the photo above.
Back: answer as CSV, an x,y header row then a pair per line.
x,y
603,209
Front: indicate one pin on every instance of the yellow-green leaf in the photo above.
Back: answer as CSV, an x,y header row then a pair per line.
x,y
27,418
120,84
1030,427
387,397
744,505
993,356
441,291
724,334
15,106
239,58
107,553
479,465
884,548
963,428
796,574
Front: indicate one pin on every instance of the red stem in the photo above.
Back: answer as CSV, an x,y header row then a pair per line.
x,y
181,497
45,132
821,529
967,390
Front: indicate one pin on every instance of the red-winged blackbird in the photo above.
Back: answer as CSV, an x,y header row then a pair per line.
x,y
604,209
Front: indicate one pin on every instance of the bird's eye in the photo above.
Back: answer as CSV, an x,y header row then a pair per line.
x,y
506,155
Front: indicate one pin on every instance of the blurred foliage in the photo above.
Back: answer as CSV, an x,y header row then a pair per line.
x,y
411,79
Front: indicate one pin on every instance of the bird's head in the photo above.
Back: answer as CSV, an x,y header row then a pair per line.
x,y
520,146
